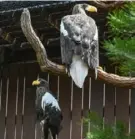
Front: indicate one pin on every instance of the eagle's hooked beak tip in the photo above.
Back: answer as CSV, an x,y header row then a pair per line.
x,y
91,8
36,82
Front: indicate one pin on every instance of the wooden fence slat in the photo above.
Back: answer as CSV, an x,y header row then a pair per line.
x,y
129,110
89,101
97,97
64,101
71,108
11,102
53,83
122,105
3,103
109,104
16,104
58,87
86,104
132,110
109,101
0,88
77,112
7,99
82,112
29,107
23,106
20,101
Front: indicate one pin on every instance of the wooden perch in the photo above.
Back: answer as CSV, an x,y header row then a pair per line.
x,y
108,4
47,65
33,39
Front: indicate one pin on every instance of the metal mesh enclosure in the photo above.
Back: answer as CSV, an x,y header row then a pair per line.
x,y
17,103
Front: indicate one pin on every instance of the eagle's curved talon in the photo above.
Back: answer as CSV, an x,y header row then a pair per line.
x,y
99,67
66,70
68,74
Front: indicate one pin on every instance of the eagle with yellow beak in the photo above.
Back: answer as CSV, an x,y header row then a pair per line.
x,y
47,109
79,43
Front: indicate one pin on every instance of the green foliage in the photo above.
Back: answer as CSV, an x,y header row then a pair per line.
x,y
121,47
99,130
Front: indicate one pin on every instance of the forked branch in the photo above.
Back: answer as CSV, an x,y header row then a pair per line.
x,y
47,65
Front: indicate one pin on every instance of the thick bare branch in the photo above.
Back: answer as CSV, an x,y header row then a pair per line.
x,y
116,80
33,39
47,65
108,4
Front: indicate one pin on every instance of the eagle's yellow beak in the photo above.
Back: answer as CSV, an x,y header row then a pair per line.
x,y
91,8
36,82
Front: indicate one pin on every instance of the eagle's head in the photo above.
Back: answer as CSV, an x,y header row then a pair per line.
x,y
89,8
83,7
41,83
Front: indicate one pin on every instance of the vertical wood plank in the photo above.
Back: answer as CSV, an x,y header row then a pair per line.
x,y
7,99
109,104
122,105
109,101
86,104
97,97
16,102
0,88
58,87
89,101
132,110
29,107
11,102
71,108
53,83
23,105
77,112
64,101
20,100
3,102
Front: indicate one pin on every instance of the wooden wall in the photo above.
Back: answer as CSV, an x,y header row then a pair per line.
x,y
17,98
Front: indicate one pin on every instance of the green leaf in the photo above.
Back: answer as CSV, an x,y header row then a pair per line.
x,y
121,45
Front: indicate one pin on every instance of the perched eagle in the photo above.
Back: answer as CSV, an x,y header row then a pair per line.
x,y
47,109
79,43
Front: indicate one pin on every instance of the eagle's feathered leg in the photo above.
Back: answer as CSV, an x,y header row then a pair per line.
x,y
54,132
68,70
46,130
96,72
42,129
95,56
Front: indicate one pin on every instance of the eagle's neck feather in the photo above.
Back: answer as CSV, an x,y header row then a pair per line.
x,y
78,10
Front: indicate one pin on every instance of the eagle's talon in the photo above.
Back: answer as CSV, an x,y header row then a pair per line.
x,y
99,67
68,74
66,70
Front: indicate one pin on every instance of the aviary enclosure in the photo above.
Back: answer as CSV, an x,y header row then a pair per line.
x,y
19,68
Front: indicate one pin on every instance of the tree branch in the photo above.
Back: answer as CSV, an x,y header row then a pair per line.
x,y
33,39
108,4
120,81
47,65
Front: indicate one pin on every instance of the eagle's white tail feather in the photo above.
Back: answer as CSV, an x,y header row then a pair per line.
x,y
78,71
